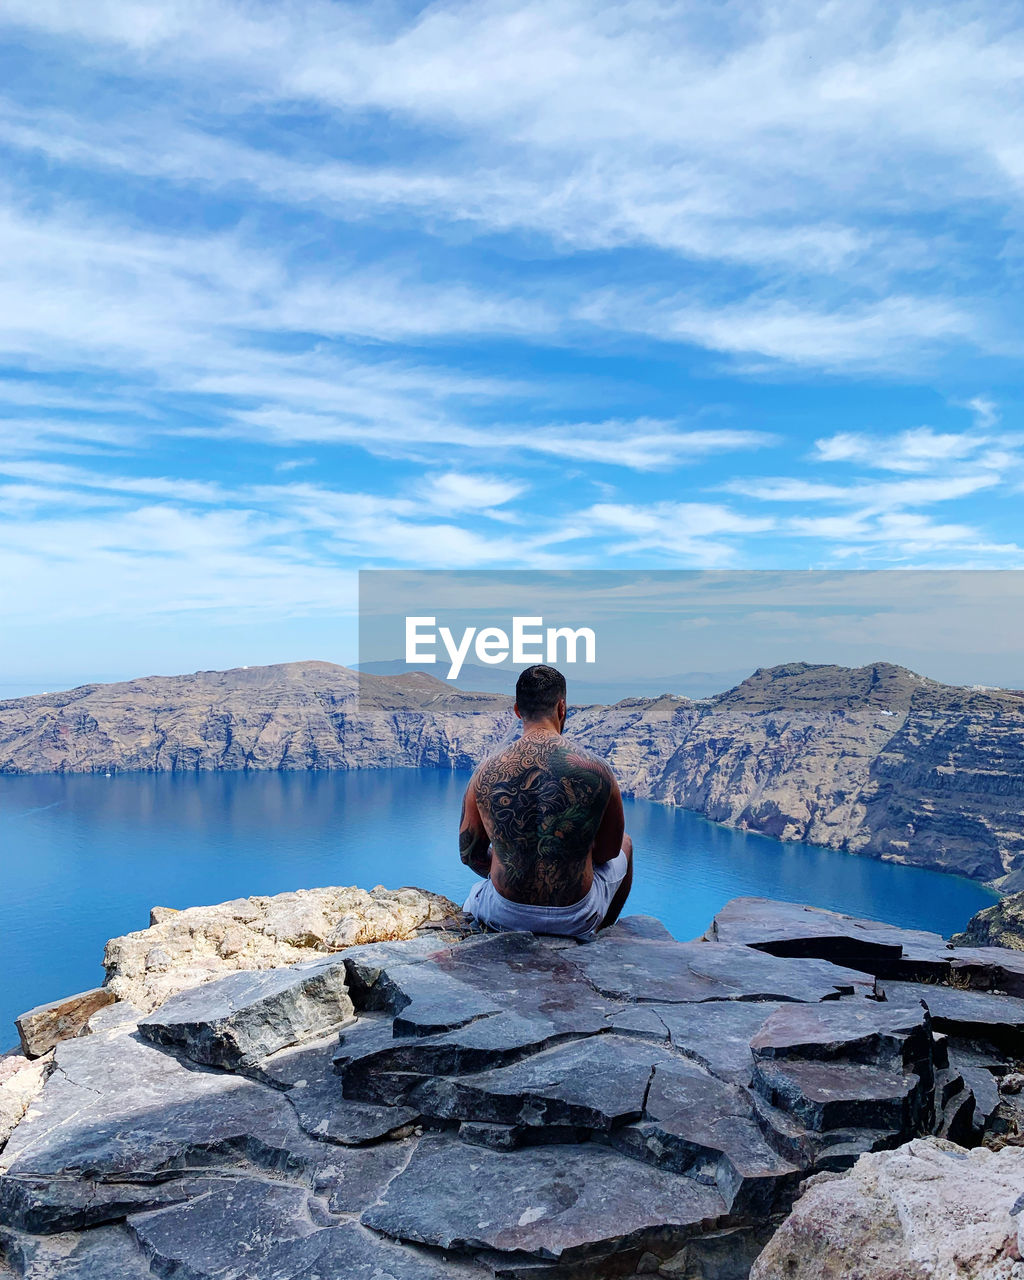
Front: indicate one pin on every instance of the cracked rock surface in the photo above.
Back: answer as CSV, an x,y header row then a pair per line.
x,y
496,1105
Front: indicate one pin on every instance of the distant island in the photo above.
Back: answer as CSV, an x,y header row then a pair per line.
x,y
873,760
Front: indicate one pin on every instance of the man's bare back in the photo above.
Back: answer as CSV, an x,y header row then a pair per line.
x,y
548,810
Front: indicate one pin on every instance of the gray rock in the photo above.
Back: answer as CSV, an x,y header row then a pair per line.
x,y
105,1253
830,1095
956,1120
985,1088
678,972
973,1015
596,1083
697,1125
639,928
235,1236
592,1109
792,929
119,1117
313,1088
717,1034
902,955
236,1020
358,1180
47,1024
988,969
719,1255
557,1203
881,1033
231,1231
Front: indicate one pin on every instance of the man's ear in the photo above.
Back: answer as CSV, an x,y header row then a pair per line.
x,y
515,708
562,711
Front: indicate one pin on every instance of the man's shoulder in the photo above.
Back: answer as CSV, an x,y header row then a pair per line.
x,y
582,758
562,754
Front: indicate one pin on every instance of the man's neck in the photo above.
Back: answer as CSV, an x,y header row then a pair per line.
x,y
541,729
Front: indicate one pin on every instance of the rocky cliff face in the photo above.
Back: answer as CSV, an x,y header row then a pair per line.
x,y
295,715
874,760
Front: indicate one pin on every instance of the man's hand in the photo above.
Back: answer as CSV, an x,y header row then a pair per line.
x,y
474,842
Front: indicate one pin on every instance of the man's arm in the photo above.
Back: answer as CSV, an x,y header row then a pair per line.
x,y
474,843
608,840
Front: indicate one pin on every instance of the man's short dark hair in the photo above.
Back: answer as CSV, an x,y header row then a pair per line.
x,y
538,690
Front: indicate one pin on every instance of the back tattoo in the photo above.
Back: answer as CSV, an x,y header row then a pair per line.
x,y
541,801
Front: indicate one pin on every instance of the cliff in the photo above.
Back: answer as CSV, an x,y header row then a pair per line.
x,y
873,760
294,715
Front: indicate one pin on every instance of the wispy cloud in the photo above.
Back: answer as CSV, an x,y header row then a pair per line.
x,y
294,288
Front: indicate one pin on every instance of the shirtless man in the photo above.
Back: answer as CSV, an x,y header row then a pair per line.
x,y
542,822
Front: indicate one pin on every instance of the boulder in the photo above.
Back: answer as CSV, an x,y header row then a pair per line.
x,y
47,1024
182,949
927,1211
243,1017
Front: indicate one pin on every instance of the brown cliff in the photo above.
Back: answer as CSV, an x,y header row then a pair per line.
x,y
873,760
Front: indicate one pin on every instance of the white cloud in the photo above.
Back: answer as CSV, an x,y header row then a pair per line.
x,y
877,335
986,412
456,492
905,537
697,533
919,449
797,141
902,493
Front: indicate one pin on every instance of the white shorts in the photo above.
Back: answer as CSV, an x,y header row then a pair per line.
x,y
580,920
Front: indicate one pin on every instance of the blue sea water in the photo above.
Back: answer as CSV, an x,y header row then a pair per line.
x,y
83,858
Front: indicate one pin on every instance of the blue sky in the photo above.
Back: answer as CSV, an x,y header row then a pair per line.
x,y
292,289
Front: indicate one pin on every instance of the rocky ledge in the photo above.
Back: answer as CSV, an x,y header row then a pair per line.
x,y
459,1104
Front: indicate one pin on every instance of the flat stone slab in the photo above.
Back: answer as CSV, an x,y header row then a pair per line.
x,y
639,928
989,969
104,1253
241,1231
823,1096
595,1083
119,1116
311,1085
903,955
701,1126
881,1033
717,1034
792,929
555,1203
683,972
239,1019
974,1015
47,1024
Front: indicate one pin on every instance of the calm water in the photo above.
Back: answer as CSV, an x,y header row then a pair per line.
x,y
84,858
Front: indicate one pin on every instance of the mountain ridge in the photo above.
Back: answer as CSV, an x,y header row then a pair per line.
x,y
875,760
